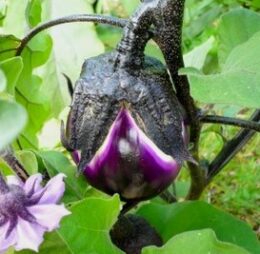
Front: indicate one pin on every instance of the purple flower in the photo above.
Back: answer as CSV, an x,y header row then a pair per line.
x,y
129,163
27,210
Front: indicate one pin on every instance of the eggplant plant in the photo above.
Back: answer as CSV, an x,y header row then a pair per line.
x,y
133,124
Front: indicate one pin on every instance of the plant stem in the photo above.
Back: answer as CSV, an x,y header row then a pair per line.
x,y
136,34
168,20
128,206
11,160
168,197
69,19
231,148
231,121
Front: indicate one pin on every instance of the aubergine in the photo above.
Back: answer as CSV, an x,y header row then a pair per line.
x,y
125,128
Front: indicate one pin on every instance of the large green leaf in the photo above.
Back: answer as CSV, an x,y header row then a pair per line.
x,y
73,43
3,7
52,244
8,44
12,68
199,17
196,242
196,58
31,91
56,162
86,231
15,21
12,120
2,81
235,28
33,12
130,5
170,220
237,84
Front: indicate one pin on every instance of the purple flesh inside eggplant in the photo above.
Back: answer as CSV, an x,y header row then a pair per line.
x,y
129,163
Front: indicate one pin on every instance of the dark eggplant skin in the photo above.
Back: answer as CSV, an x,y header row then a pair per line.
x,y
120,92
98,97
102,90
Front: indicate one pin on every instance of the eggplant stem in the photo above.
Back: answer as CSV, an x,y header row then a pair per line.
x,y
128,206
136,35
168,21
168,197
69,19
246,124
231,148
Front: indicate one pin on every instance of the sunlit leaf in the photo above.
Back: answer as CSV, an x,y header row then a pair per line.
x,y
196,58
12,120
15,21
237,84
12,68
73,43
8,44
130,5
2,80
87,229
28,160
171,220
56,162
3,7
196,242
235,28
33,12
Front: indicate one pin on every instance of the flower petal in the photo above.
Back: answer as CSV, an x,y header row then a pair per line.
x,y
33,184
29,235
5,243
48,216
12,179
54,190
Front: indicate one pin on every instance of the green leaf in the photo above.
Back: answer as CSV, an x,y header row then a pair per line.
x,y
31,90
195,242
35,55
12,69
87,229
200,21
8,44
56,162
33,12
2,80
15,20
130,5
28,160
3,7
237,84
196,58
12,120
110,36
79,40
235,28
170,220
5,168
